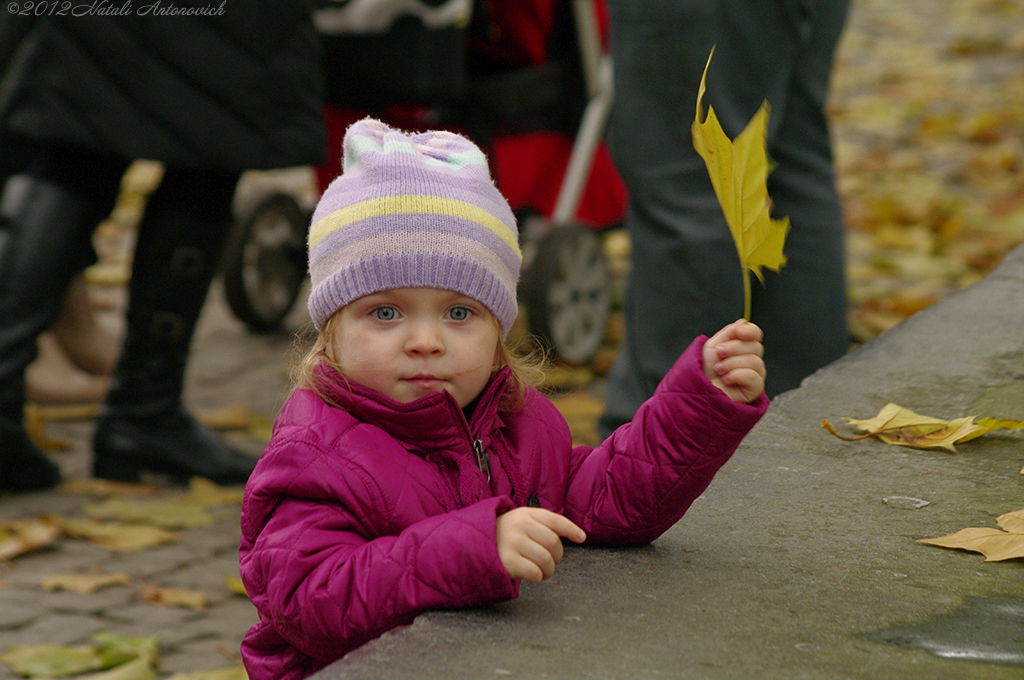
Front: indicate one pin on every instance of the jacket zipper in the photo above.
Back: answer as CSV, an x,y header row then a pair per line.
x,y
482,458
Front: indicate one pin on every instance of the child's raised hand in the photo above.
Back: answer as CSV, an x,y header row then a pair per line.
x,y
733,363
530,542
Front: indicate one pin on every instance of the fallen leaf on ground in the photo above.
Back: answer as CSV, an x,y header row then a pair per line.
x,y
206,493
228,418
136,669
18,537
996,545
174,597
84,583
52,660
108,651
235,585
897,425
120,536
105,487
168,514
739,173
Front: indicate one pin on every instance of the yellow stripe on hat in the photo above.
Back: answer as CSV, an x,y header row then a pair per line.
x,y
397,205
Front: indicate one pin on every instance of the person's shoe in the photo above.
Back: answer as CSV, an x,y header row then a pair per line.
x,y
172,443
23,467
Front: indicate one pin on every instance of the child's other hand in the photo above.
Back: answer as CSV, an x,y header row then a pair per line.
x,y
733,363
530,542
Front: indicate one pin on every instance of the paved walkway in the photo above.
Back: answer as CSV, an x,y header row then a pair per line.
x,y
231,367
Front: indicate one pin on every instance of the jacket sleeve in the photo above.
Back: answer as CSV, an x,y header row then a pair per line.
x,y
640,481
326,588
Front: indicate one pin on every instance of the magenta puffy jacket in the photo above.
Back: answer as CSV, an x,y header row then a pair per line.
x,y
358,518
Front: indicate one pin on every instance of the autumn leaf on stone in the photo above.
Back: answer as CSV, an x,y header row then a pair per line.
x,y
164,513
118,536
235,585
739,172
84,583
1006,543
208,494
174,597
117,657
18,537
901,426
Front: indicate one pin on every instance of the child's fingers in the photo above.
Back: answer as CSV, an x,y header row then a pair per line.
x,y
560,525
739,348
743,362
530,542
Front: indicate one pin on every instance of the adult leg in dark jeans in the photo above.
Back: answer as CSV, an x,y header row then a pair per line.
x,y
144,426
686,278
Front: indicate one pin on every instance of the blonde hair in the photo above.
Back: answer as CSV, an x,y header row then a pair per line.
x,y
527,366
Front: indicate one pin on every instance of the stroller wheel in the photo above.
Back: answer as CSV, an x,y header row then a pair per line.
x,y
265,262
567,292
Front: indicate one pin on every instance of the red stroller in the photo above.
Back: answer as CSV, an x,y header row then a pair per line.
x,y
528,80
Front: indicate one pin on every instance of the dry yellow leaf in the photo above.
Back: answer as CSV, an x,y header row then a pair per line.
x,y
996,545
119,536
84,583
897,425
208,494
116,657
18,537
104,487
235,585
228,418
174,597
169,514
739,173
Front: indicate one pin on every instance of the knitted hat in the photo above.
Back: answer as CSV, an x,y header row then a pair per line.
x,y
412,211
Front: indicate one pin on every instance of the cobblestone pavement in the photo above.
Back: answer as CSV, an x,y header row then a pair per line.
x,y
231,367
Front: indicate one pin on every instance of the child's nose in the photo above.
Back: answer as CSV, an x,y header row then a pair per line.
x,y
425,337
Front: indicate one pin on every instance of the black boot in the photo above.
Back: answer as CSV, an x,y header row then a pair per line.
x,y
44,239
144,426
23,467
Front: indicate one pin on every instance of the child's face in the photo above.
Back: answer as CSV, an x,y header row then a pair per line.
x,y
409,342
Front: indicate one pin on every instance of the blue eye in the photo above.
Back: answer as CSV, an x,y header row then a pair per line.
x,y
385,313
460,313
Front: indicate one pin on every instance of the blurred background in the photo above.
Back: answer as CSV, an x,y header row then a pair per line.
x,y
927,107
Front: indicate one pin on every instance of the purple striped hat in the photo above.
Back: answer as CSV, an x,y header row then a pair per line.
x,y
412,211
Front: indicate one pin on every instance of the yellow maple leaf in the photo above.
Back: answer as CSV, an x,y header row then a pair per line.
x,y
739,172
1006,543
901,426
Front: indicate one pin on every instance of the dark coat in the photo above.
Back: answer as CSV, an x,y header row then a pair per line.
x,y
235,90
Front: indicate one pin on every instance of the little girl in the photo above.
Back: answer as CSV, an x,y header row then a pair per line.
x,y
412,468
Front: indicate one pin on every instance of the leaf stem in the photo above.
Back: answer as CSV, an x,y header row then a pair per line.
x,y
746,295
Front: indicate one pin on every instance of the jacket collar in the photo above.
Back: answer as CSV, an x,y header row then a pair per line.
x,y
430,422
